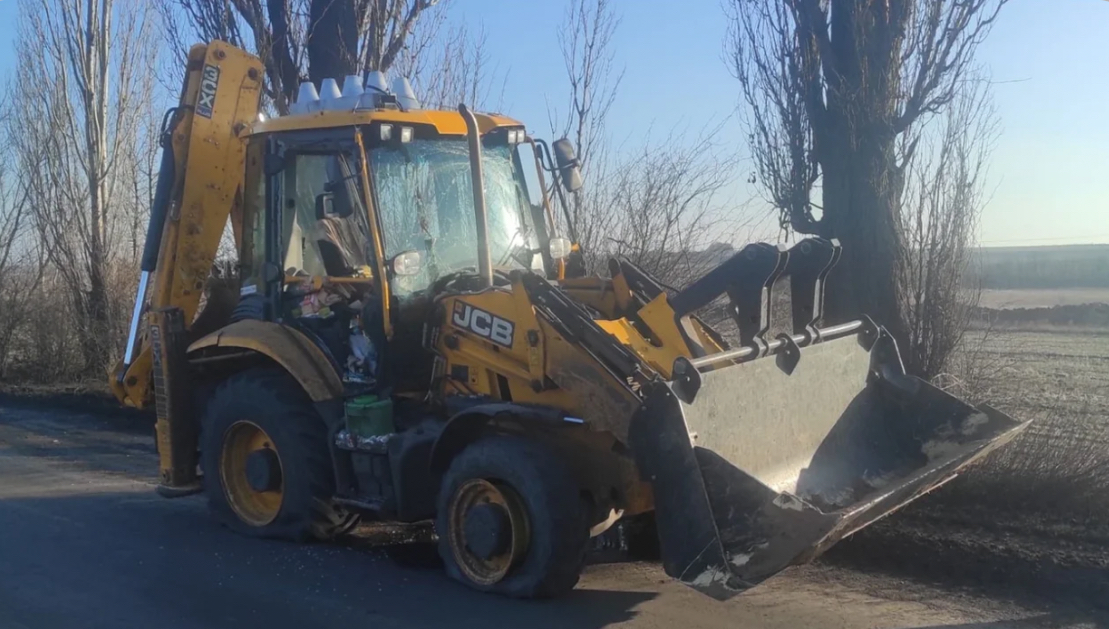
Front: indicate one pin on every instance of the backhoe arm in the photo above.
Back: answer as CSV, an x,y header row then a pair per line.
x,y
199,187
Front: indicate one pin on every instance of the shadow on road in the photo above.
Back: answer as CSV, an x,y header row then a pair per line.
x,y
78,401
132,559
72,557
1037,622
1001,569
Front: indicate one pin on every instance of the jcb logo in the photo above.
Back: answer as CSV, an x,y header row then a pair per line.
x,y
206,102
482,323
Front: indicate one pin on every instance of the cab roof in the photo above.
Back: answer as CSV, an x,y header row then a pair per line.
x,y
445,122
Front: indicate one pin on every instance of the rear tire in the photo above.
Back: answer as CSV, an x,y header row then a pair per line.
x,y
266,410
535,484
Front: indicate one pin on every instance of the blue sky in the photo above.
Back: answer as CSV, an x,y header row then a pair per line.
x,y
1049,177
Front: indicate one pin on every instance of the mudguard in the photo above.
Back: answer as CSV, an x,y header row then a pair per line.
x,y
294,351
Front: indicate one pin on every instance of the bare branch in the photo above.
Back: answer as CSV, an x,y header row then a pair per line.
x,y
940,217
939,52
452,67
585,38
313,39
781,87
660,206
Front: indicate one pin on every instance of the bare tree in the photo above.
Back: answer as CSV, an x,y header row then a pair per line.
x,y
660,208
451,67
142,166
585,39
21,264
88,59
657,204
304,39
944,198
831,86
13,201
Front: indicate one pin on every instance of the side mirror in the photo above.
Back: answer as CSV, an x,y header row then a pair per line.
x,y
406,263
568,166
338,201
273,164
325,205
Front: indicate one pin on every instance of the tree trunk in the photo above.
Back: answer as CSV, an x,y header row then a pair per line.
x,y
856,149
332,40
861,209
97,90
95,340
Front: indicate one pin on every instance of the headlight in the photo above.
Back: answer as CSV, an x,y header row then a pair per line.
x,y
560,248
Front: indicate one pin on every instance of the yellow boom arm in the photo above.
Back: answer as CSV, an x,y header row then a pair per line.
x,y
199,187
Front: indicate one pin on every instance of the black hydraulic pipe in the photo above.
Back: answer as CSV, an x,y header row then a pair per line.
x,y
481,218
159,209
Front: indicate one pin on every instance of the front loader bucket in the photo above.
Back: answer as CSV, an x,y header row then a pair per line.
x,y
763,463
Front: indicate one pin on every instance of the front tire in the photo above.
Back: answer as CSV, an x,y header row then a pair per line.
x,y
511,520
266,464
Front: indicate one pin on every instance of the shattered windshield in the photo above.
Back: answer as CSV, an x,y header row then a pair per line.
x,y
426,204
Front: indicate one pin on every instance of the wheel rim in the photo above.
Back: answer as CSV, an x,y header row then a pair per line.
x,y
250,468
479,502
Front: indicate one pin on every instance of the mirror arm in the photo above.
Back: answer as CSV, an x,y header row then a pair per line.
x,y
556,184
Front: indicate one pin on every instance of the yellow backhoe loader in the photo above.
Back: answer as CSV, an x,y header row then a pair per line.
x,y
414,338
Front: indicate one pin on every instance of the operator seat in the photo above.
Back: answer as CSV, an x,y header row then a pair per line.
x,y
339,249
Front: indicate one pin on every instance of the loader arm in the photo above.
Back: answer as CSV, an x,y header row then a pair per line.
x,y
757,456
764,455
199,187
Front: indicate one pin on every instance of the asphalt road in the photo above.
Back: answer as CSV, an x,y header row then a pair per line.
x,y
85,542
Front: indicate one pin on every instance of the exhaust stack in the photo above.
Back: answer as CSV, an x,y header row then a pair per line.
x,y
477,180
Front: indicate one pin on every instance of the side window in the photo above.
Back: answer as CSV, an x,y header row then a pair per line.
x,y
301,254
324,218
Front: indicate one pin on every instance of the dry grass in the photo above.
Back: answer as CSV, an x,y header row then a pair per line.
x,y
1060,381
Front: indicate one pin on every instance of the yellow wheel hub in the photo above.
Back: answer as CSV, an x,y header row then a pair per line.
x,y
250,468
489,530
